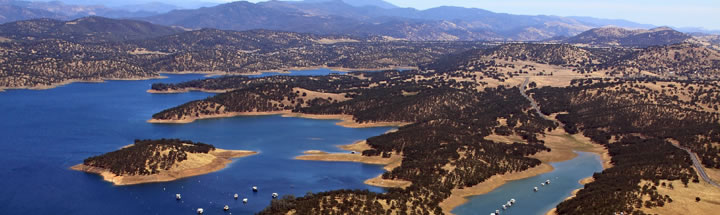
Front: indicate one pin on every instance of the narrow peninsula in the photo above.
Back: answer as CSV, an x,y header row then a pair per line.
x,y
148,161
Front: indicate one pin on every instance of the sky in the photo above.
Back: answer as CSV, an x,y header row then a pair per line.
x,y
676,13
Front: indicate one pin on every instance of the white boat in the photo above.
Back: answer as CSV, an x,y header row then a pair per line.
x,y
254,188
274,195
245,200
200,210
236,196
178,197
226,208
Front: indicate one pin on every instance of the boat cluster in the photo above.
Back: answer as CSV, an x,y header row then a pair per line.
x,y
547,182
511,202
226,207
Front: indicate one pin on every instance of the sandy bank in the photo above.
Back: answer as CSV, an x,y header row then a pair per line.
x,y
459,196
284,70
345,120
185,90
563,147
339,69
389,163
200,165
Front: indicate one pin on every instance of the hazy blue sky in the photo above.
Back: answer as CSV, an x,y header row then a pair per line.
x,y
677,13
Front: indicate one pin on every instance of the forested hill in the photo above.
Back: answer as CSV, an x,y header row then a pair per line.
x,y
614,36
637,120
147,157
455,114
93,29
444,148
42,53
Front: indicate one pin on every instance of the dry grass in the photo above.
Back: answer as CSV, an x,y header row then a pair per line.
x,y
196,164
328,41
459,196
684,199
389,163
714,174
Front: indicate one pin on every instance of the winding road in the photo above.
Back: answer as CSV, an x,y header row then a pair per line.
x,y
696,161
698,166
534,104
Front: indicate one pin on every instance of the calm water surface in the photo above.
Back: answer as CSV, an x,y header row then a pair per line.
x,y
563,180
43,133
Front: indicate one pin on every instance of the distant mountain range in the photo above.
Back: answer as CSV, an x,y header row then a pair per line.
x,y
15,10
338,17
91,29
361,18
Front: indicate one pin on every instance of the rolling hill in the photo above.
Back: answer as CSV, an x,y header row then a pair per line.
x,y
614,36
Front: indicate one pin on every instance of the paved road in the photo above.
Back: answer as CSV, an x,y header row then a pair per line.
x,y
534,104
698,166
696,161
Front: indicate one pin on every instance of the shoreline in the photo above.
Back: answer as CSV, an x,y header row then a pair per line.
x,y
460,196
185,90
283,70
338,69
221,159
71,81
388,163
207,74
563,148
345,120
583,182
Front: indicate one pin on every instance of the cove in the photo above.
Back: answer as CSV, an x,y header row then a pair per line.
x,y
44,132
564,179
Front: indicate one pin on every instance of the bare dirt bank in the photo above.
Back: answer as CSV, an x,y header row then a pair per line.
x,y
346,120
195,165
389,163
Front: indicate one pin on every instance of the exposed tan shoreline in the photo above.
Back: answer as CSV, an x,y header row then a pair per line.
x,y
563,148
459,196
207,74
339,69
357,147
346,120
284,70
222,158
185,90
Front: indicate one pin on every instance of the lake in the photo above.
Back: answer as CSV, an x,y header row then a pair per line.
x,y
563,180
43,133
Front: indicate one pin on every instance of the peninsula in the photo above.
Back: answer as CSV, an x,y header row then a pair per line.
x,y
148,161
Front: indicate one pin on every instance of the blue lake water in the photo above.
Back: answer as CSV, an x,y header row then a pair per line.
x,y
43,133
563,180
314,72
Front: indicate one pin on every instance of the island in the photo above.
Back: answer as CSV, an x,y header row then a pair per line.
x,y
469,122
161,160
